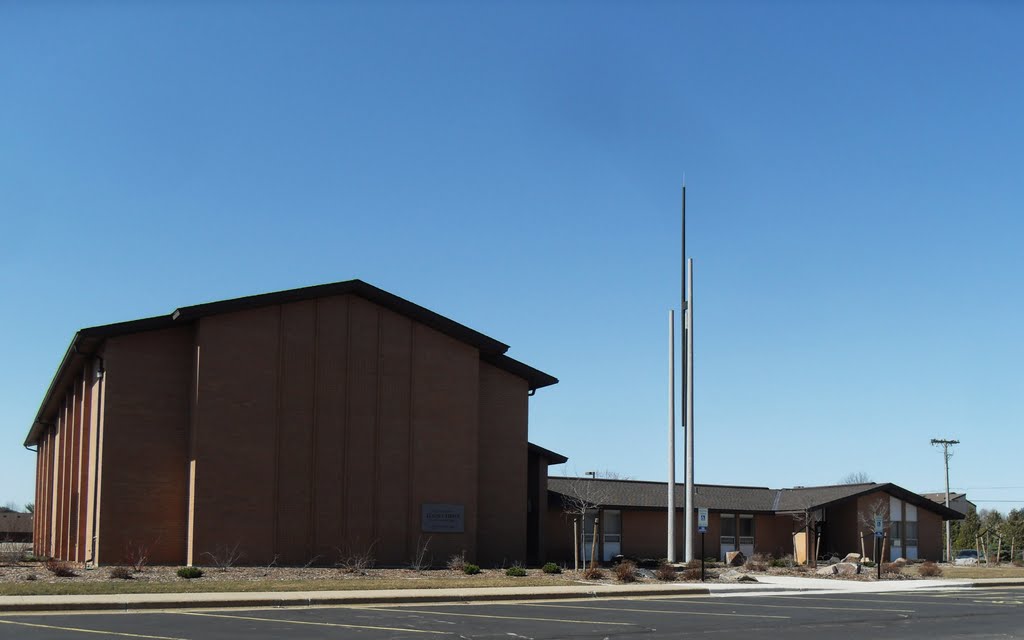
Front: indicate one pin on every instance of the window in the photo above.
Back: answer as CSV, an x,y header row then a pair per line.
x,y
911,534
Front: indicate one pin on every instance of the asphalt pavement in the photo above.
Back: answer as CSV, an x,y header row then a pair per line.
x,y
967,613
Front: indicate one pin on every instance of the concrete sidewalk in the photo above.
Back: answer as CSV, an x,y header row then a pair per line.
x,y
765,585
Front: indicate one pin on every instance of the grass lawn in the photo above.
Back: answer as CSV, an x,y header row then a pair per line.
x,y
973,573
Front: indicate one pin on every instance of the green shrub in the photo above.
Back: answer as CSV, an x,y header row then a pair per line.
x,y
868,563
470,569
515,571
551,567
190,572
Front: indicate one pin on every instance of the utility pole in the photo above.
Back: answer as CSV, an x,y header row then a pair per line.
x,y
947,454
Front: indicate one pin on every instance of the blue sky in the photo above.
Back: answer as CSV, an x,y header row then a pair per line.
x,y
854,177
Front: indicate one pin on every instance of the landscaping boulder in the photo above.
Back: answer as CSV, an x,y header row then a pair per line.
x,y
735,559
732,575
827,570
852,557
846,568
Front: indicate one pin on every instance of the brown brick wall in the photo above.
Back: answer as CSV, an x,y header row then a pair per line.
x,y
929,532
143,479
307,415
773,534
502,451
558,535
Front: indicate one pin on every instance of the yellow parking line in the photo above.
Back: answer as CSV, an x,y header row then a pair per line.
x,y
682,613
482,615
77,630
786,606
315,624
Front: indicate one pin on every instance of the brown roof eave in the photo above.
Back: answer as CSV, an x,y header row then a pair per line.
x,y
899,492
85,344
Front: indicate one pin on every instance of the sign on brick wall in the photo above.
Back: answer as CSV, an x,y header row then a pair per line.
x,y
443,518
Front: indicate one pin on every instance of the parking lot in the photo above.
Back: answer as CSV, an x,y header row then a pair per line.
x,y
939,614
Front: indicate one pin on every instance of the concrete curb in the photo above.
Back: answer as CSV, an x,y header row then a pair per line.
x,y
235,600
149,602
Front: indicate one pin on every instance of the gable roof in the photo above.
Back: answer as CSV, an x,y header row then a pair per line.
x,y
86,341
654,495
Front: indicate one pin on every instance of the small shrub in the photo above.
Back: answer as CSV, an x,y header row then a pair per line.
x,y
136,556
421,557
754,565
31,577
625,571
665,572
190,573
868,563
60,569
224,557
551,567
593,573
515,571
691,573
11,553
470,569
778,563
930,570
121,573
457,562
356,561
693,564
891,568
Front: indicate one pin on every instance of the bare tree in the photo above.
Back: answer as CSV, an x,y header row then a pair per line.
x,y
856,477
584,495
807,520
866,521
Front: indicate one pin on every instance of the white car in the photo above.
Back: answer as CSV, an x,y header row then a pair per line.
x,y
966,557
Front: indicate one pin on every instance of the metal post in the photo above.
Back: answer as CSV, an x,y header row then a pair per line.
x,y
702,556
671,555
689,417
687,503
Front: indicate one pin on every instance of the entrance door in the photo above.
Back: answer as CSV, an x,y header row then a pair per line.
x,y
612,525
727,538
609,530
747,534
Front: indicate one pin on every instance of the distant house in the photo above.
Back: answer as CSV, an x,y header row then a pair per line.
x,y
957,501
750,519
15,527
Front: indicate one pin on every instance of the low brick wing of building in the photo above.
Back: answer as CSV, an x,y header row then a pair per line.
x,y
835,519
289,426
15,527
